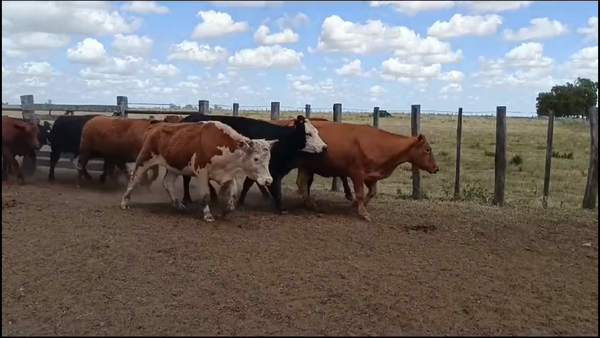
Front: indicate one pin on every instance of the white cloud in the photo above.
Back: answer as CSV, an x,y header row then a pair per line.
x,y
22,44
295,21
460,26
286,36
540,29
412,8
590,32
132,45
93,18
256,4
374,37
353,68
584,63
451,88
453,76
377,91
217,25
301,78
145,7
191,51
403,70
163,70
529,54
88,51
267,57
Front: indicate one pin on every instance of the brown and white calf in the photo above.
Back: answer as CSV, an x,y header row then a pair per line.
x,y
208,150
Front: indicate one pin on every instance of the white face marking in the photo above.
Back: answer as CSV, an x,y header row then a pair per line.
x,y
256,160
314,143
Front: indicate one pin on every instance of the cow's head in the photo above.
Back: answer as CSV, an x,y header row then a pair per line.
x,y
173,119
306,137
30,131
421,155
44,134
255,163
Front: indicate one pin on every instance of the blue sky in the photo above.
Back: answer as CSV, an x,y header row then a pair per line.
x,y
408,52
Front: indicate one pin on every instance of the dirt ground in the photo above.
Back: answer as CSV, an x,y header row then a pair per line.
x,y
73,263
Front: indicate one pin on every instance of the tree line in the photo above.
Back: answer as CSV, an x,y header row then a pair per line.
x,y
569,100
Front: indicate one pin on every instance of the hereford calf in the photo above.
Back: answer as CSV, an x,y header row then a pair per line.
x,y
364,154
207,150
19,138
117,140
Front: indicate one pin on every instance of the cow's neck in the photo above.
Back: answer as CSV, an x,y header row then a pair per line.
x,y
396,151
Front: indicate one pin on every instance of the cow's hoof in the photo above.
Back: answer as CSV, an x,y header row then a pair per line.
x,y
366,217
208,218
283,211
180,206
124,206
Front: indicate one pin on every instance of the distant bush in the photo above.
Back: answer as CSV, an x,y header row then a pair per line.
x,y
516,160
565,155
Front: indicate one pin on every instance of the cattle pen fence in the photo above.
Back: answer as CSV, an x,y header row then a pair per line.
x,y
28,109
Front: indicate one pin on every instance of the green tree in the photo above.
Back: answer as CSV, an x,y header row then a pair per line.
x,y
570,99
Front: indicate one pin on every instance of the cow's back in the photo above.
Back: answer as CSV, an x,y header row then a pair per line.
x,y
65,134
116,138
246,126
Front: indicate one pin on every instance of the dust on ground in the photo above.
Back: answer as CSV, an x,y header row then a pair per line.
x,y
73,263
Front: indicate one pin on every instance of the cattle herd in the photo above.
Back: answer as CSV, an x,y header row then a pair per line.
x,y
218,148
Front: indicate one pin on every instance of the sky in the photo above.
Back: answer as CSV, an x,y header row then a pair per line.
x,y
440,54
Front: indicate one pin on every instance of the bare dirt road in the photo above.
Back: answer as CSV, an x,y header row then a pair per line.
x,y
73,263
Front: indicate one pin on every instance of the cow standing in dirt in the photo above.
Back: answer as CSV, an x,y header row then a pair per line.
x,y
363,153
117,140
19,138
207,150
301,136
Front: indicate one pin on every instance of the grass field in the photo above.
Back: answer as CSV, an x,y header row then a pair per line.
x,y
526,156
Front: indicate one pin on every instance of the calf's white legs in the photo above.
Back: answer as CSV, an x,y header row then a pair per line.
x,y
136,176
169,185
204,194
230,188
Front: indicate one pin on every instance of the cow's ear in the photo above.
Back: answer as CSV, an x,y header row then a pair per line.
x,y
300,118
272,143
420,138
245,144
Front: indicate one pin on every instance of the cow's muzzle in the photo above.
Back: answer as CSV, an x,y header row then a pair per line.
x,y
265,181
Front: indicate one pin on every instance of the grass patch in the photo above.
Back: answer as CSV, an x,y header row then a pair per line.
x,y
516,160
566,155
488,153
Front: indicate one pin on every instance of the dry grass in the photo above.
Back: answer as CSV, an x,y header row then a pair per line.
x,y
526,157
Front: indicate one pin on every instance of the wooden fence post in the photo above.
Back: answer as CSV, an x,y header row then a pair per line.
x,y
275,111
307,111
122,105
591,188
28,108
336,185
500,158
549,140
376,126
236,109
203,107
415,129
458,154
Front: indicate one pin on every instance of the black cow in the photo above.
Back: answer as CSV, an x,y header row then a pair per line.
x,y
291,140
65,137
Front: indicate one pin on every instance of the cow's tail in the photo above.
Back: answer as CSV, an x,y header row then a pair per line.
x,y
76,163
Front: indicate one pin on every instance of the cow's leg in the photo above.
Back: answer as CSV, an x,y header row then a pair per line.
x,y
187,199
230,189
54,157
10,161
371,193
168,183
275,190
347,190
123,167
214,198
248,182
147,180
302,181
107,170
135,178
82,162
204,194
359,200
264,191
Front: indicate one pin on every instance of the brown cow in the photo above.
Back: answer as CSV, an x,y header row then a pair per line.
x,y
19,138
117,140
364,154
208,150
